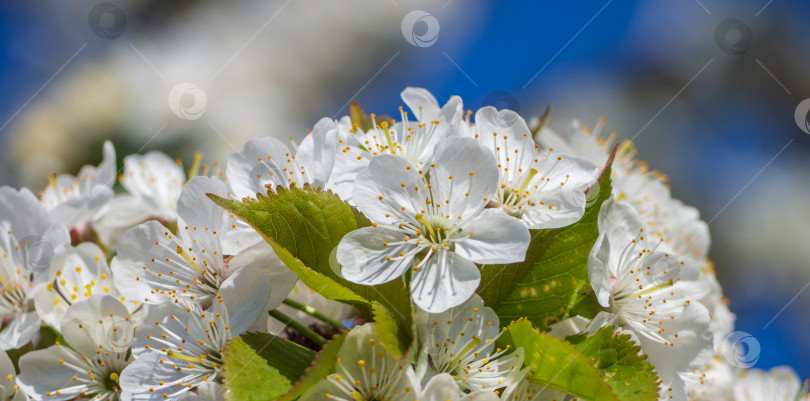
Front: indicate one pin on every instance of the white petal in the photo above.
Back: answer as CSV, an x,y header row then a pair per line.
x,y
692,345
282,279
20,330
123,212
88,324
601,319
496,238
363,255
441,387
317,152
598,270
397,182
264,161
422,104
567,201
148,372
490,120
245,293
568,327
151,245
106,171
41,374
155,179
8,377
444,281
618,218
196,209
458,157
77,274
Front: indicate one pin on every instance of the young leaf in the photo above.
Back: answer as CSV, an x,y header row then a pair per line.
x,y
320,283
322,365
393,338
557,363
304,225
549,283
260,366
619,360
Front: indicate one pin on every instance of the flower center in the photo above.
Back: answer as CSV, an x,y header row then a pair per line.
x,y
434,228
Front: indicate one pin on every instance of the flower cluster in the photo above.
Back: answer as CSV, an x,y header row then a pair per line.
x,y
137,292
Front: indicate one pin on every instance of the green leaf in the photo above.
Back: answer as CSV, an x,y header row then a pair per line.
x,y
320,283
588,307
557,364
392,337
304,225
554,276
260,366
619,360
323,365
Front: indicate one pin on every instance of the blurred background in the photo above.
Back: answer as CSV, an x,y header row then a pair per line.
x,y
708,90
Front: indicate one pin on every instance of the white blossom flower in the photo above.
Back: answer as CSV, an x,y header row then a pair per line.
x,y
592,144
99,332
269,162
365,371
435,228
266,163
722,319
154,265
28,243
778,384
712,381
153,182
650,294
9,389
632,181
414,141
74,201
461,342
180,348
678,225
442,387
542,188
78,274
